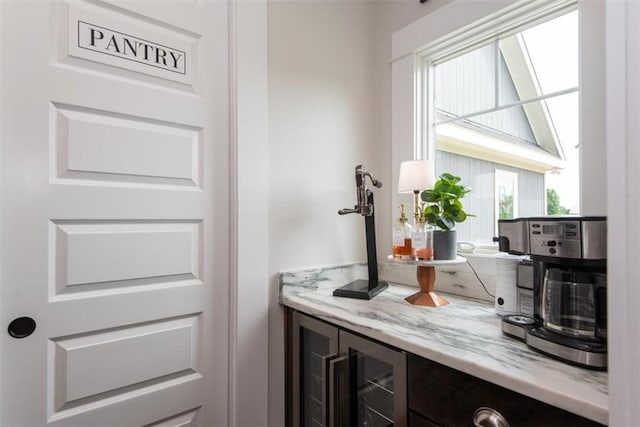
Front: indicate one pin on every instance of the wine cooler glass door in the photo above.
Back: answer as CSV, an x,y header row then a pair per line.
x,y
316,343
374,391
378,383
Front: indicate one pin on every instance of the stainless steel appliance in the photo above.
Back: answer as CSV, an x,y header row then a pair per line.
x,y
524,288
569,257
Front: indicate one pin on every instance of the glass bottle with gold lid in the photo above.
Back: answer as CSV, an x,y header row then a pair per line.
x,y
422,239
401,248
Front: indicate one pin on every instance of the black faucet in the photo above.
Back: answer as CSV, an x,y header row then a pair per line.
x,y
364,289
363,206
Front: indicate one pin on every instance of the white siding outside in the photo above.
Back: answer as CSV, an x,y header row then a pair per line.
x,y
466,84
480,175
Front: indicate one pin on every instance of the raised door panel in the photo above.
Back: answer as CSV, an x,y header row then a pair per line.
x,y
95,367
120,42
188,419
117,256
102,147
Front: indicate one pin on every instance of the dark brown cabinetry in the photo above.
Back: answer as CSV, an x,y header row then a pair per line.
x,y
337,378
439,395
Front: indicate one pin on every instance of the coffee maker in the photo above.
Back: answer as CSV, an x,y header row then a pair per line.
x,y
569,256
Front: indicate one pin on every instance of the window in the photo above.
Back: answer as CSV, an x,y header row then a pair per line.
x,y
506,200
503,113
460,27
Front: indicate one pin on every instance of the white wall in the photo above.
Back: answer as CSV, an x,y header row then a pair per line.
x,y
321,125
329,110
623,154
390,16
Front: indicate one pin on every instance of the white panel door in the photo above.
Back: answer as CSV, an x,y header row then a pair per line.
x,y
114,213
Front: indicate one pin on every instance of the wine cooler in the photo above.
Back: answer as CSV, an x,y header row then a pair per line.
x,y
341,379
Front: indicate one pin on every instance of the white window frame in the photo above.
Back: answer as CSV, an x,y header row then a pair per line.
x,y
500,177
474,23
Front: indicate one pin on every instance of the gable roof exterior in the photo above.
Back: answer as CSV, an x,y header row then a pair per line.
x,y
523,135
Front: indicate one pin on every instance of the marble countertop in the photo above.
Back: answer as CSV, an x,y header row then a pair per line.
x,y
465,335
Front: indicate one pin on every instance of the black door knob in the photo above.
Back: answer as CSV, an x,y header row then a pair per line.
x,y
22,327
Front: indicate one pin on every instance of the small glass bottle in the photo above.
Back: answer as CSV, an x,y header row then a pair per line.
x,y
422,240
402,236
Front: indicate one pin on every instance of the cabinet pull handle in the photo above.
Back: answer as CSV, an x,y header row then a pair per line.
x,y
487,417
325,387
339,392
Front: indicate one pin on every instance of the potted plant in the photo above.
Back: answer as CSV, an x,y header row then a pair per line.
x,y
443,211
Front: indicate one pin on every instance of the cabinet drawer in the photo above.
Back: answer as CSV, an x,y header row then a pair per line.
x,y
450,398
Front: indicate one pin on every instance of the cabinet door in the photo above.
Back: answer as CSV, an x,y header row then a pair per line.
x,y
377,383
447,397
314,344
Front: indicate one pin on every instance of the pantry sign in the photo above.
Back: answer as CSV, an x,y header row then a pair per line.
x,y
117,44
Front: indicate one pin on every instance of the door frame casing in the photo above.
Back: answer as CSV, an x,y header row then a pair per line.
x,y
249,375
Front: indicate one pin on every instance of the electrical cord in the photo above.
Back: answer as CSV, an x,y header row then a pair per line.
x,y
479,279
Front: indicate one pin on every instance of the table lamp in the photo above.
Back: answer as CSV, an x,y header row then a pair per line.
x,y
415,176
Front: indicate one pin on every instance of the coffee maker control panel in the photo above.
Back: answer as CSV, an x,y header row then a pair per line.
x,y
577,238
584,238
560,239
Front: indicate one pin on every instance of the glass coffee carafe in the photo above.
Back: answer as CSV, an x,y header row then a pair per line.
x,y
574,303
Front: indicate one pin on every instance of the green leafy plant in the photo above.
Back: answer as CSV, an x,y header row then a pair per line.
x,y
444,208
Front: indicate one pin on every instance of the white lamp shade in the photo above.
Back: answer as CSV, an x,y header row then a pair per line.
x,y
415,175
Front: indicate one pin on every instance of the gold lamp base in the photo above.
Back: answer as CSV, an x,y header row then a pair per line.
x,y
426,297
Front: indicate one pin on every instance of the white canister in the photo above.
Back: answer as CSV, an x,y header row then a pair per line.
x,y
506,301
